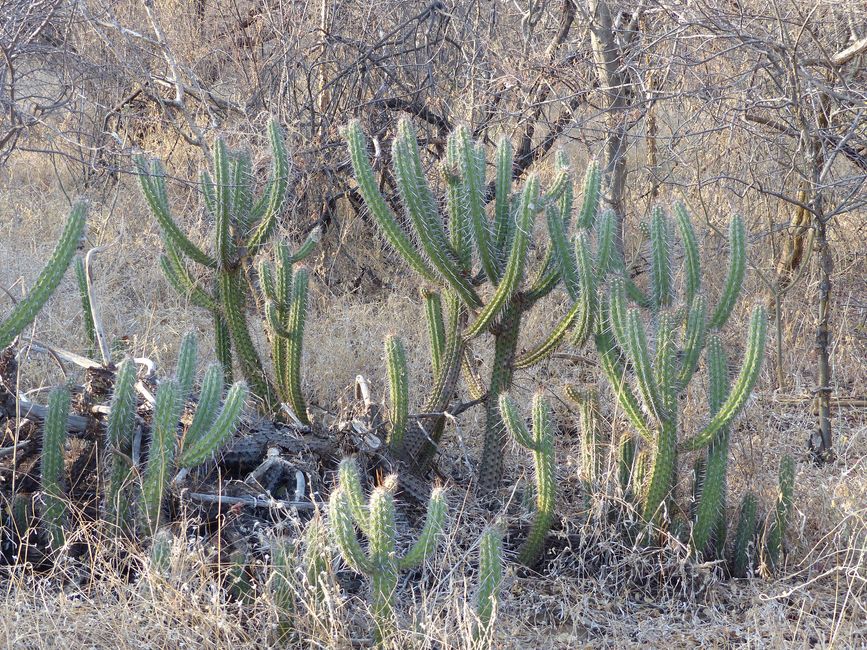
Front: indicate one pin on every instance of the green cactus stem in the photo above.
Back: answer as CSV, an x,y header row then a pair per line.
x,y
119,438
742,556
52,465
541,443
777,532
398,390
490,583
25,311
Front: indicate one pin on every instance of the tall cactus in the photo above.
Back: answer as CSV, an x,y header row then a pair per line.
x,y
440,249
376,519
243,226
119,438
398,390
541,443
660,376
53,444
24,312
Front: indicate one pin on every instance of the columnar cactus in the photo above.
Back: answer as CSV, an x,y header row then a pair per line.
x,y
119,438
209,430
776,531
541,443
53,452
744,547
282,586
382,562
398,390
243,226
660,376
25,310
490,582
86,309
593,444
440,249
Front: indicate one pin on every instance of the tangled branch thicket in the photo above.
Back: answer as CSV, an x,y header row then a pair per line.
x,y
482,187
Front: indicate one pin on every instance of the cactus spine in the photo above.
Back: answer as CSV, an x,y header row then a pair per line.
x,y
242,228
443,257
541,443
382,562
490,582
53,443
24,312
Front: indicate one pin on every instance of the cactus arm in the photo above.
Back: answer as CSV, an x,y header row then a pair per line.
x,y
433,310
349,480
774,537
459,229
490,579
53,441
515,267
383,214
614,372
232,297
242,191
665,362
307,247
381,544
398,390
161,453
276,188
544,349
202,447
473,169
185,373
514,422
340,521
604,244
225,245
223,345
209,192
590,204
692,259
636,345
433,526
626,458
663,472
283,276
694,340
546,489
206,409
587,278
86,310
502,197
266,281
660,249
297,317
121,419
180,278
49,278
420,207
744,537
712,500
563,253
746,381
735,277
153,186
617,307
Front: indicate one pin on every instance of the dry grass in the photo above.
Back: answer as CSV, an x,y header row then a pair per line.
x,y
593,594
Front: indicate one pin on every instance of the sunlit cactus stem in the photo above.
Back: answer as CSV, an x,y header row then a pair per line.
x,y
398,390
541,443
52,465
26,309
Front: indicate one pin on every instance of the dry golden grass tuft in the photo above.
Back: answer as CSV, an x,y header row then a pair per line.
x,y
592,593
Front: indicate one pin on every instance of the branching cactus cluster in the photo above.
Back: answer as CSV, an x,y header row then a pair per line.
x,y
463,248
243,226
214,422
375,518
